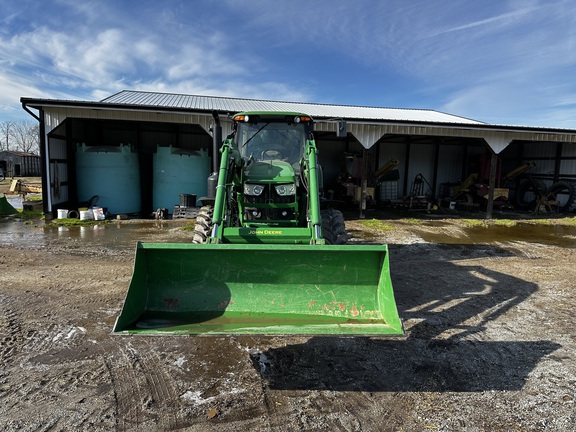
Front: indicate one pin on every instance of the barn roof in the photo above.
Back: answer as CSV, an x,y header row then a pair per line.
x,y
367,124
316,110
18,153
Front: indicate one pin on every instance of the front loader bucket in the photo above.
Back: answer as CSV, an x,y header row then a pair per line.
x,y
260,289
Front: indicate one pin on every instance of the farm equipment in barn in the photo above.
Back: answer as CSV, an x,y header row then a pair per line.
x,y
265,258
473,191
420,196
529,191
533,194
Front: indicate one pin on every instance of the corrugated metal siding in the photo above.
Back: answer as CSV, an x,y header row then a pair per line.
x,y
568,151
232,105
119,136
366,116
53,118
58,172
394,151
330,154
568,168
367,135
545,167
498,140
449,165
539,149
158,138
59,175
421,162
368,130
57,149
56,115
18,163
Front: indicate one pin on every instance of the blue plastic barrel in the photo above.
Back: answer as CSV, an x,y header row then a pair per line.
x,y
112,173
177,172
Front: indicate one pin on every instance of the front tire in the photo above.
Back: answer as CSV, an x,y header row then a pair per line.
x,y
203,227
333,227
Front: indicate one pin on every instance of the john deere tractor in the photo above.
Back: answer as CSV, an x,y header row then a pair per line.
x,y
269,186
265,258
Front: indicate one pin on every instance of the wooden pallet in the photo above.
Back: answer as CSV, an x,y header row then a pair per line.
x,y
181,212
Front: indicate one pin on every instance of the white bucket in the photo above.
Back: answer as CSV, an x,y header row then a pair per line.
x,y
62,213
98,213
86,215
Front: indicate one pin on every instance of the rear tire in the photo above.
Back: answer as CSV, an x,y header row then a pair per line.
x,y
565,193
527,193
203,227
333,227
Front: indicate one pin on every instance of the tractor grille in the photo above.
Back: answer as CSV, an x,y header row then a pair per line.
x,y
268,214
269,196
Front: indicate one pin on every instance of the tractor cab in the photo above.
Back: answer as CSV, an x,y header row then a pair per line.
x,y
262,136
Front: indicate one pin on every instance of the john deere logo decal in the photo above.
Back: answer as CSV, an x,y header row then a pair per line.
x,y
265,232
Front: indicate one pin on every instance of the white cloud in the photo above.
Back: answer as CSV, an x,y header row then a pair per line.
x,y
12,90
513,67
515,104
114,52
500,61
505,60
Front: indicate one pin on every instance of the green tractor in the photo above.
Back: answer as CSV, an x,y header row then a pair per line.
x,y
268,188
266,258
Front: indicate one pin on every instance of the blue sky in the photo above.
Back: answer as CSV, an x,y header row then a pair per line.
x,y
498,61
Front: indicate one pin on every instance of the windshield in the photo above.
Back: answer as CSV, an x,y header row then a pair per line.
x,y
271,140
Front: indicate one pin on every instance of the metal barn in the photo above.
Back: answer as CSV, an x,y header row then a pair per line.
x,y
432,154
19,164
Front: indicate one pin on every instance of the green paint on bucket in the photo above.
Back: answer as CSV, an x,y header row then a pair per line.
x,y
5,207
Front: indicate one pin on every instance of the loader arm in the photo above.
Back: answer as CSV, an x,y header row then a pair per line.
x,y
314,196
226,168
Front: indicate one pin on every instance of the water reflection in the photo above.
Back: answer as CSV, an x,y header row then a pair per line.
x,y
124,236
15,201
15,232
554,235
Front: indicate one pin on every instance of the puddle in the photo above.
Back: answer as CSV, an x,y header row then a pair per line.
x,y
124,236
15,201
114,236
552,235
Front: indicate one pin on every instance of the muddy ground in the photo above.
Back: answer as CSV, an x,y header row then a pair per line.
x,y
488,313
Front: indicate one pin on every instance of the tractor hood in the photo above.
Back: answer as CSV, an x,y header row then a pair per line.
x,y
272,171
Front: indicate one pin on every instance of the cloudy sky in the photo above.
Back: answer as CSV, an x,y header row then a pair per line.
x,y
498,61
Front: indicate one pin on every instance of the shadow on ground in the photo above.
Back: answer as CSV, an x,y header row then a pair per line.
x,y
449,306
412,365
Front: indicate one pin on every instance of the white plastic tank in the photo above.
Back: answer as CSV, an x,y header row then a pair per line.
x,y
112,173
176,172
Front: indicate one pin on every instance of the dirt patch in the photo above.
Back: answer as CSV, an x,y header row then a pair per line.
x,y
489,344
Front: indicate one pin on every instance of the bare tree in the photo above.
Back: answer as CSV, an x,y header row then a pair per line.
x,y
25,136
5,134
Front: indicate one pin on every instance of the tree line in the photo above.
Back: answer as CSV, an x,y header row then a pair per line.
x,y
20,135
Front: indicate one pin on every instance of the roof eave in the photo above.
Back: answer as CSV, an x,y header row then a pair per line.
x,y
42,103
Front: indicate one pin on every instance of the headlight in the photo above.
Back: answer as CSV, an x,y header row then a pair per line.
x,y
286,190
253,189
